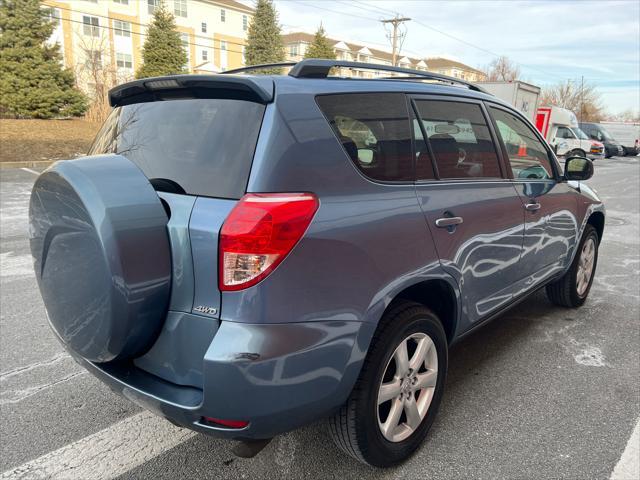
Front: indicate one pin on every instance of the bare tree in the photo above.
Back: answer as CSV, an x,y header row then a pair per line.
x,y
581,98
626,116
502,69
98,73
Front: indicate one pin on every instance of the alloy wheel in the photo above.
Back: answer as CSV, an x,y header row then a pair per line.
x,y
407,387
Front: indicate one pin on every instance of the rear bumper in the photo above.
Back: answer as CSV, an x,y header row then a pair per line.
x,y
277,377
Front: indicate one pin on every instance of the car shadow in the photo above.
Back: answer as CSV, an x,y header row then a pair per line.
x,y
310,453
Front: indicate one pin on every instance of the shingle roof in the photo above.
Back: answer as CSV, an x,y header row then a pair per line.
x,y
231,4
432,63
439,62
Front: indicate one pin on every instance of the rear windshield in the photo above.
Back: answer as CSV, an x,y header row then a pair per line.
x,y
205,146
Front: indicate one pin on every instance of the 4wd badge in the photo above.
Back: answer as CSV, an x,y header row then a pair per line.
x,y
206,310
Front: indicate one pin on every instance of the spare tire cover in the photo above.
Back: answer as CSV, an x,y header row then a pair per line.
x,y
98,234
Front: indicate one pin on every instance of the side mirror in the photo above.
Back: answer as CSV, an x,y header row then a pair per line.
x,y
578,168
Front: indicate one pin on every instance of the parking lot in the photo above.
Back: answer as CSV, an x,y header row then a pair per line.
x,y
542,392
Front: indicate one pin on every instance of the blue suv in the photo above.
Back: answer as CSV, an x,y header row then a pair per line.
x,y
245,254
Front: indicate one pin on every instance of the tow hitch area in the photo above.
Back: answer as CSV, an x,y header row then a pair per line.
x,y
249,448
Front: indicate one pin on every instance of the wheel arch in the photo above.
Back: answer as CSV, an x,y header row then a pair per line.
x,y
596,220
437,295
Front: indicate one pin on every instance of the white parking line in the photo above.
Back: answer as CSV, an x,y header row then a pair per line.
x,y
30,171
628,467
108,453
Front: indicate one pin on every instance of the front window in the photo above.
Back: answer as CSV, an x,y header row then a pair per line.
x,y
122,2
91,26
93,59
180,8
580,134
121,29
204,27
124,60
293,50
152,5
564,132
245,22
184,39
459,138
223,15
205,55
53,14
528,157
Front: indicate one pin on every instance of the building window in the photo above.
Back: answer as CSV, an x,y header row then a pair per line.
x,y
223,45
122,29
205,55
124,60
180,8
121,2
223,15
53,14
245,22
152,5
184,38
93,60
293,50
91,26
204,27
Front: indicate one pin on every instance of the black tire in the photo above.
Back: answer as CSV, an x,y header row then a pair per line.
x,y
564,291
354,427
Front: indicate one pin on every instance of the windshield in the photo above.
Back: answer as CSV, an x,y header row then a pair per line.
x,y
204,145
580,134
605,135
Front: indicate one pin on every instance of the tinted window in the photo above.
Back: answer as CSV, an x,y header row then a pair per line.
x,y
459,139
374,130
564,132
206,146
527,155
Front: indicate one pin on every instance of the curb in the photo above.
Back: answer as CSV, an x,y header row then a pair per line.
x,y
32,164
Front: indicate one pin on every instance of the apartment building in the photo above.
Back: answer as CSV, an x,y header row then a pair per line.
x,y
97,36
296,44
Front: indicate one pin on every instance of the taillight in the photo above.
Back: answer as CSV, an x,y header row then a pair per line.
x,y
259,233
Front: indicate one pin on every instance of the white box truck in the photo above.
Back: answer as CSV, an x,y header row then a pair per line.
x,y
521,95
560,128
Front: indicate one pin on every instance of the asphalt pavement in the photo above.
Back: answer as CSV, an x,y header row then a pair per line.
x,y
542,392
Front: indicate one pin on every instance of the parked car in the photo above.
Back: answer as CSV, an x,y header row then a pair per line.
x,y
560,128
246,254
597,132
626,133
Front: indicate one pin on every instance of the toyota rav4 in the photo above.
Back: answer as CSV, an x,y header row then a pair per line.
x,y
244,254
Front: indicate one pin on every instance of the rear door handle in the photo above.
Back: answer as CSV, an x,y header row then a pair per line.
x,y
532,207
448,221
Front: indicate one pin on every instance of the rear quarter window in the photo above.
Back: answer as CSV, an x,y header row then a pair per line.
x,y
205,146
375,131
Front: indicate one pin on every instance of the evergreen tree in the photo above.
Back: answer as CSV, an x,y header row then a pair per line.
x,y
264,43
162,53
33,81
320,47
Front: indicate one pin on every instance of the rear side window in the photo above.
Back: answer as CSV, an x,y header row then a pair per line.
x,y
374,130
205,146
459,139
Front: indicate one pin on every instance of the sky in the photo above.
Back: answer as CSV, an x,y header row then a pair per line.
x,y
551,40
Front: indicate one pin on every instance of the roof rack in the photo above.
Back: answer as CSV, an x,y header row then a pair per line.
x,y
320,68
317,68
250,68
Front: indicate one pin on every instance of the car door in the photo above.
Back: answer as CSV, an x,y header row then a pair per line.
x,y
474,213
551,227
